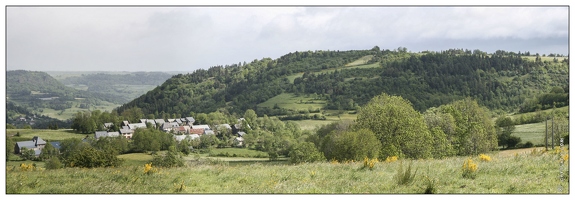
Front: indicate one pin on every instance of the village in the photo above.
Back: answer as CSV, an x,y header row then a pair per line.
x,y
181,129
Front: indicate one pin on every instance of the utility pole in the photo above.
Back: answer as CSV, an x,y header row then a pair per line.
x,y
552,134
546,143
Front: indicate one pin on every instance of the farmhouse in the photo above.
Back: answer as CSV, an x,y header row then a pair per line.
x,y
37,144
127,133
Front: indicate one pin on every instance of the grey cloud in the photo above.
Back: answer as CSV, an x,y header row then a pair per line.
x,y
188,38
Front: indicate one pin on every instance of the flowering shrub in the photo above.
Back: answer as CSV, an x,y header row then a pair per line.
x,y
391,159
148,169
27,167
484,157
334,161
369,163
469,169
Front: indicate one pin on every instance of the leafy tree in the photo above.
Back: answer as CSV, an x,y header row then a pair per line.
x,y
172,158
305,152
250,116
118,145
53,163
400,129
48,152
355,145
505,127
10,144
147,140
90,157
207,141
475,131
27,154
10,126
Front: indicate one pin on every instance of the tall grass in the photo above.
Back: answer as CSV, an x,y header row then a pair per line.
x,y
525,173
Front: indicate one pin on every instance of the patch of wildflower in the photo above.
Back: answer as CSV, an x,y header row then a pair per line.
x,y
565,157
27,167
484,157
333,161
391,159
148,169
369,163
469,169
312,173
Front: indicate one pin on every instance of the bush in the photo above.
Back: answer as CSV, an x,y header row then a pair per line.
x,y
305,152
528,144
469,169
53,163
513,141
171,159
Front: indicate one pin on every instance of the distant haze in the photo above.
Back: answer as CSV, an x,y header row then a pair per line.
x,y
190,38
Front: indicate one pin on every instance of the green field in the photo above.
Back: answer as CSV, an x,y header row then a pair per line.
x,y
546,58
45,134
535,133
524,173
546,112
292,102
69,113
359,63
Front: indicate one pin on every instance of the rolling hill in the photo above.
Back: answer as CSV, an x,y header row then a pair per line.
x,y
344,80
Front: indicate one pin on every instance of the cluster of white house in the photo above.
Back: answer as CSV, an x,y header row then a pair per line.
x,y
182,128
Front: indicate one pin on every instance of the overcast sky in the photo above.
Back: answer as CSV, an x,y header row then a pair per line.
x,y
189,38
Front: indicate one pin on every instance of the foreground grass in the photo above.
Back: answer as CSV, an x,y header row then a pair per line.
x,y
536,173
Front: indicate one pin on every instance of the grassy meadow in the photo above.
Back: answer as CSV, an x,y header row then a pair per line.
x,y
293,102
526,172
45,134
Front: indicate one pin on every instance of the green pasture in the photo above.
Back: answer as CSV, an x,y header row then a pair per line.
x,y
292,102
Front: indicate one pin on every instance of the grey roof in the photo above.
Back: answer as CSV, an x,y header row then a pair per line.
x,y
160,121
125,127
56,145
125,123
171,120
107,125
241,133
137,125
204,126
126,131
99,134
27,144
209,132
190,119
38,140
179,121
113,134
143,121
170,125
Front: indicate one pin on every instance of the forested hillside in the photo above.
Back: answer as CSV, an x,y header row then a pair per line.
x,y
500,81
39,93
27,87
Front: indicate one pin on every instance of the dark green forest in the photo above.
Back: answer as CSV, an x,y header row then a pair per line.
x,y
502,81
